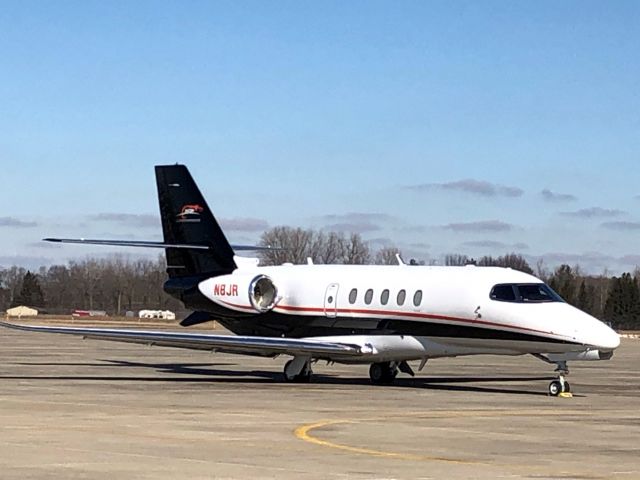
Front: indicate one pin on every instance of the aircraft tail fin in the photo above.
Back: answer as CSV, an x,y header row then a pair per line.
x,y
187,220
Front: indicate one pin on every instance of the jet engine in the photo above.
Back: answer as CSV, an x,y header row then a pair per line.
x,y
243,292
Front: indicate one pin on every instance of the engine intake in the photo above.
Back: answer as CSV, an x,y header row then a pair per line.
x,y
262,293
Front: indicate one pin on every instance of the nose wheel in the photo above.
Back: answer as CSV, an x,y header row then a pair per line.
x,y
556,387
560,387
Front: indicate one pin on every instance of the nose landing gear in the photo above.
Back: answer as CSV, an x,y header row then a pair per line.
x,y
560,387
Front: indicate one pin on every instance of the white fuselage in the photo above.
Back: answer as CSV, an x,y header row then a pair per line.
x,y
419,312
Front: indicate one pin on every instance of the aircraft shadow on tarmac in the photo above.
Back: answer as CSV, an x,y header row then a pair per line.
x,y
212,373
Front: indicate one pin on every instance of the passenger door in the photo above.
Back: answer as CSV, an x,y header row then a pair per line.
x,y
331,300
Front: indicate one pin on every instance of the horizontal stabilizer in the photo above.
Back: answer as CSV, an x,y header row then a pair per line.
x,y
151,244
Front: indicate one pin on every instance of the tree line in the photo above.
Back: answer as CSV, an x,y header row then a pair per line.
x,y
115,284
118,284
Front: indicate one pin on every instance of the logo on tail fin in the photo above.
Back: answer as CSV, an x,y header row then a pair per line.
x,y
190,213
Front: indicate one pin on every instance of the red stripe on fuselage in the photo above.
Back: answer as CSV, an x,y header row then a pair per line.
x,y
409,314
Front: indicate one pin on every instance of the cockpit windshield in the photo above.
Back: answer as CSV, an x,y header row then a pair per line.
x,y
524,293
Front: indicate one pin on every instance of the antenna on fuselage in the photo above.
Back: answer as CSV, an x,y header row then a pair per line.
x,y
399,259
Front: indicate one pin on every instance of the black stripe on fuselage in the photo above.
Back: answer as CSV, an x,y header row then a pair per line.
x,y
298,326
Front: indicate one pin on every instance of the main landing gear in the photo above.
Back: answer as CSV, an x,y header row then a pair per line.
x,y
384,373
298,370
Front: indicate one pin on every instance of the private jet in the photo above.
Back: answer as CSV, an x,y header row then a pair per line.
x,y
383,316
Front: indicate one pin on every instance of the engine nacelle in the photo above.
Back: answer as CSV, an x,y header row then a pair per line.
x,y
585,355
242,292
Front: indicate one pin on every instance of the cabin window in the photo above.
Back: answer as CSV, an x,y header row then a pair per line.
x,y
384,297
353,294
401,297
368,296
417,298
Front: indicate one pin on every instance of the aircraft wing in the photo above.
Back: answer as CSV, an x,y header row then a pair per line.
x,y
247,345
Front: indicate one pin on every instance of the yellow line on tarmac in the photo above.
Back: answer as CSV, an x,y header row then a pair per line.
x,y
302,433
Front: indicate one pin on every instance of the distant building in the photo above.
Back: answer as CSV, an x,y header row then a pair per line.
x,y
22,311
89,313
162,314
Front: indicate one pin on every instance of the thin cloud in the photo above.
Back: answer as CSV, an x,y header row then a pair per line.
x,y
482,226
622,226
26,261
16,222
356,222
383,242
412,229
554,197
587,259
244,224
127,219
471,186
593,262
594,212
630,259
353,227
493,244
357,217
45,245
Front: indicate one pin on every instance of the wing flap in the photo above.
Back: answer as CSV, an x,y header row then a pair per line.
x,y
248,345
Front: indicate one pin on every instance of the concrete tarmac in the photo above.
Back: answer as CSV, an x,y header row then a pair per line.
x,y
77,409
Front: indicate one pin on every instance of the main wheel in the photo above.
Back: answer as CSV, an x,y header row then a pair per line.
x,y
567,387
376,373
382,373
555,387
302,377
285,375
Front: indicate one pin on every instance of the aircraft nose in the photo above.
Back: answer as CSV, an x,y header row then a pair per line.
x,y
606,338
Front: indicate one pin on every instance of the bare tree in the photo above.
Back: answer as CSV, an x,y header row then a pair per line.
x,y
457,260
292,245
296,245
510,260
357,252
387,256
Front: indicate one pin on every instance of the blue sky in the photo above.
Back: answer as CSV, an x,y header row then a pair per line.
x,y
434,126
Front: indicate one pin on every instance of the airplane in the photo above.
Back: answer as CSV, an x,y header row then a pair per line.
x,y
381,315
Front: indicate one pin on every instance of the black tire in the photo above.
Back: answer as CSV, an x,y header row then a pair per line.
x,y
382,373
304,377
376,373
567,387
555,388
286,377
